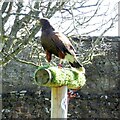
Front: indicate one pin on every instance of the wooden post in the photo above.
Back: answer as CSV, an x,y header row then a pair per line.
x,y
59,80
59,106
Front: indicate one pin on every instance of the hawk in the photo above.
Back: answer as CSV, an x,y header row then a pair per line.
x,y
58,44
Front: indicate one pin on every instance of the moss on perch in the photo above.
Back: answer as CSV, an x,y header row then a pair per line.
x,y
55,77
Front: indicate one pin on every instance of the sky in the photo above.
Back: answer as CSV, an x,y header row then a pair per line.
x,y
114,31
82,30
113,9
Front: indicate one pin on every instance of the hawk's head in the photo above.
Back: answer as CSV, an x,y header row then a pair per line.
x,y
44,21
45,24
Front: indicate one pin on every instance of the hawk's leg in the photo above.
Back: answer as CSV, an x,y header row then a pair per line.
x,y
60,64
61,56
48,56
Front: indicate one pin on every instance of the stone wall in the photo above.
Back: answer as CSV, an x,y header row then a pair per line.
x,y
99,98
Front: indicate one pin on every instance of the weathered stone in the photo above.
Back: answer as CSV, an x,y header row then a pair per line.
x,y
99,98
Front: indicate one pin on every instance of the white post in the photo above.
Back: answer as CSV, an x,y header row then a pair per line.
x,y
59,105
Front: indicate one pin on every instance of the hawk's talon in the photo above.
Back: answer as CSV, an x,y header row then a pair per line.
x,y
60,66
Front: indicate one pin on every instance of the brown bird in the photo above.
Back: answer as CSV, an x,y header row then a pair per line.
x,y
58,44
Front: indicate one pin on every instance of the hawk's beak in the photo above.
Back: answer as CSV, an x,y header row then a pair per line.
x,y
38,21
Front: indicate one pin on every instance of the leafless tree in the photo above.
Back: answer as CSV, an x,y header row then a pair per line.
x,y
20,29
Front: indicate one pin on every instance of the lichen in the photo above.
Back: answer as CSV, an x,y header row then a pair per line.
x,y
65,76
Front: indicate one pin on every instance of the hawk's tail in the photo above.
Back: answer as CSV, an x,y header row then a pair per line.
x,y
78,66
75,64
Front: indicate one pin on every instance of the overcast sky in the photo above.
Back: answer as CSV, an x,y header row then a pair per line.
x,y
113,32
113,9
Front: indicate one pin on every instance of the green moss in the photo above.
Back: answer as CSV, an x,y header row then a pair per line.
x,y
66,76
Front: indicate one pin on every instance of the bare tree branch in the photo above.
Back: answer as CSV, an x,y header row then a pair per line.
x,y
20,27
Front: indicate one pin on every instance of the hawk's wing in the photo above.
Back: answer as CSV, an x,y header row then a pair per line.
x,y
62,43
